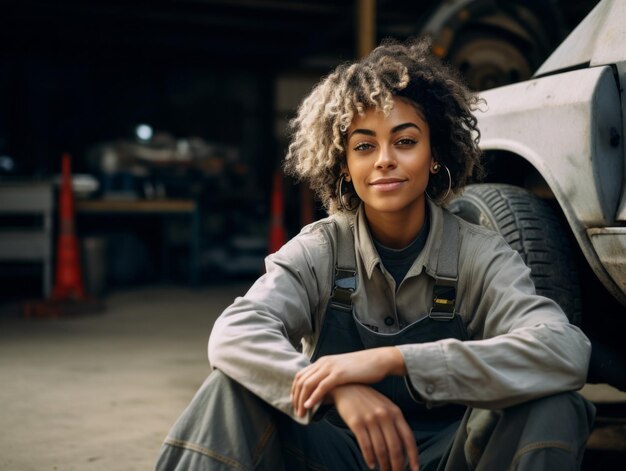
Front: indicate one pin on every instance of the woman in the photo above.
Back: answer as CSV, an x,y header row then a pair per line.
x,y
390,334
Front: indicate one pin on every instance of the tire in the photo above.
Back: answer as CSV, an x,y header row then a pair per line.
x,y
532,227
488,61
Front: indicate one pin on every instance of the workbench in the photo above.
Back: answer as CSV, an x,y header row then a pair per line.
x,y
163,209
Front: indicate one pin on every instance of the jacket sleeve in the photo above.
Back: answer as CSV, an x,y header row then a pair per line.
x,y
256,340
522,345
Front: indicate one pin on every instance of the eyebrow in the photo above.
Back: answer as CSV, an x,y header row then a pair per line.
x,y
395,129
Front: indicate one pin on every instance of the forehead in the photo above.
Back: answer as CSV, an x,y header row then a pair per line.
x,y
403,111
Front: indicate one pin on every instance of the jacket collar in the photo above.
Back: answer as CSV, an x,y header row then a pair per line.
x,y
426,260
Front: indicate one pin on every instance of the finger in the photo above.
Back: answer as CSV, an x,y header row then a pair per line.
x,y
380,446
297,385
408,441
298,379
394,444
365,444
320,392
295,389
308,385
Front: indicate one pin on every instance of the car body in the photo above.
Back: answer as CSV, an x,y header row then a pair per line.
x,y
561,136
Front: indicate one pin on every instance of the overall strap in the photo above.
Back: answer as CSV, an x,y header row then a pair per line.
x,y
345,266
446,276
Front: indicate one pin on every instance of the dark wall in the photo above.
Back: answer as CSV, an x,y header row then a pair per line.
x,y
53,105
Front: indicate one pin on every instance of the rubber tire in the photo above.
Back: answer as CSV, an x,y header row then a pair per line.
x,y
530,226
487,60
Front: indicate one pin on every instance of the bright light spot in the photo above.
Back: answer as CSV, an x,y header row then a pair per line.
x,y
144,132
7,163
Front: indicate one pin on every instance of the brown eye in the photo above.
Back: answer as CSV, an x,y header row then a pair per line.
x,y
363,147
406,141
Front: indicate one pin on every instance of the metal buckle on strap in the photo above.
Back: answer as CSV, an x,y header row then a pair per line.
x,y
343,273
345,285
440,316
444,298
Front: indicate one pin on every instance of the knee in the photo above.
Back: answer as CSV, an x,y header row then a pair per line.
x,y
556,430
218,386
220,404
219,381
548,429
561,418
566,408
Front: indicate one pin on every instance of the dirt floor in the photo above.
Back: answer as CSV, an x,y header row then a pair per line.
x,y
100,391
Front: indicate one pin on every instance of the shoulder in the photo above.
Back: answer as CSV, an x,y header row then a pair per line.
x,y
480,247
473,236
326,230
314,245
486,260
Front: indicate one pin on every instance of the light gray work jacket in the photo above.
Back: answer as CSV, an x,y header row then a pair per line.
x,y
521,344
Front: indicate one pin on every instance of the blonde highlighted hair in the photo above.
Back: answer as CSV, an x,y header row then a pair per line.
x,y
317,150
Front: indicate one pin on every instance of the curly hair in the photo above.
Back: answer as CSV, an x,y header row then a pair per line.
x,y
317,152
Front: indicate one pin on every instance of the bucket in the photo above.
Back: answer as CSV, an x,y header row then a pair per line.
x,y
94,252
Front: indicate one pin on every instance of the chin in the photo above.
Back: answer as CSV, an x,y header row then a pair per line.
x,y
391,206
388,208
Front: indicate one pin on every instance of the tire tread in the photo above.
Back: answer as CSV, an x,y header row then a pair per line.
x,y
531,226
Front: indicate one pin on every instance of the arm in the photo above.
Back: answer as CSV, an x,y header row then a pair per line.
x,y
380,429
523,346
254,340
311,384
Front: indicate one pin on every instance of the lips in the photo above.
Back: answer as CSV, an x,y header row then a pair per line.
x,y
387,184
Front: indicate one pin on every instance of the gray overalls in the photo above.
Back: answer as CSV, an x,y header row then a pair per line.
x,y
227,427
342,331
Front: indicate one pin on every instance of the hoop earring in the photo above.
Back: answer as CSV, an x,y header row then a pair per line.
x,y
345,197
435,170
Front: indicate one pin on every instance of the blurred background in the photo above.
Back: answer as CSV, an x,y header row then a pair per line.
x,y
185,103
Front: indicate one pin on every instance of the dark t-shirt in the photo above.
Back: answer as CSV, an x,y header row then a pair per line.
x,y
398,261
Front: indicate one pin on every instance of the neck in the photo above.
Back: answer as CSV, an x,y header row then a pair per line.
x,y
395,229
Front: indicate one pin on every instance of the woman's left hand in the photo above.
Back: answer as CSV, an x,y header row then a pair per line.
x,y
311,384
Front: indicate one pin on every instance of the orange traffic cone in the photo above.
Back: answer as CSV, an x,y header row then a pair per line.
x,y
68,296
69,281
278,234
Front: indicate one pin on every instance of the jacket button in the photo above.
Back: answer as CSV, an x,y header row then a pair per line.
x,y
430,389
389,320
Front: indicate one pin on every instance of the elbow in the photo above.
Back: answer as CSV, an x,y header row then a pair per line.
x,y
215,348
571,351
580,361
584,371
211,352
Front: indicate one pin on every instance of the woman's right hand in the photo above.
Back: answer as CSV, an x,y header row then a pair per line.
x,y
379,426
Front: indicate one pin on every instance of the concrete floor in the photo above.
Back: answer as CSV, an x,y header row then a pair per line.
x,y
100,391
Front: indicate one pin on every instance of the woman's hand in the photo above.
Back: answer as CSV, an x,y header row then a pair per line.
x,y
311,384
378,425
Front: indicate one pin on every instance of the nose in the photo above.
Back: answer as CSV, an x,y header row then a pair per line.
x,y
386,158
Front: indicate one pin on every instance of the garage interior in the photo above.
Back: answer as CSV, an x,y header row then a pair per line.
x,y
174,116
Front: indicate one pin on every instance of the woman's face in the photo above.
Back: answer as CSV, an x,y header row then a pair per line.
x,y
389,159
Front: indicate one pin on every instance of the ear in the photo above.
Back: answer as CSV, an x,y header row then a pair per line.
x,y
433,162
346,172
434,166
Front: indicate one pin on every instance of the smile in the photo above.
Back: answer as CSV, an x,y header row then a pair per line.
x,y
387,184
